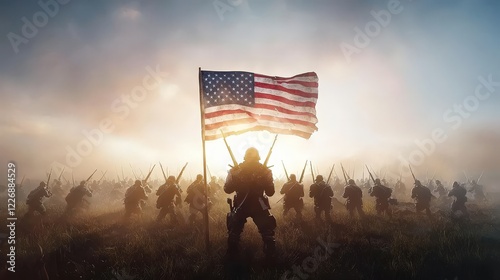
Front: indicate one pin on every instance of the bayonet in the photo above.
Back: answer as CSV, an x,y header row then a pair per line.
x,y
286,173
235,163
371,176
59,178
330,175
312,171
343,172
163,172
149,174
270,151
180,174
481,176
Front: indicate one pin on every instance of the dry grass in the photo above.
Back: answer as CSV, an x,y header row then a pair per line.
x,y
97,245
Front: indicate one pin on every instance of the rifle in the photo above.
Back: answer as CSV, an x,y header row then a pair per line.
x,y
270,151
164,176
123,175
88,179
412,173
22,180
59,178
209,173
235,163
286,173
149,174
300,181
481,176
180,174
104,174
371,176
48,182
343,171
353,169
330,175
73,178
312,171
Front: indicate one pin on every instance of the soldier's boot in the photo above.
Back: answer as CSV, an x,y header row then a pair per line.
x,y
269,247
232,245
299,215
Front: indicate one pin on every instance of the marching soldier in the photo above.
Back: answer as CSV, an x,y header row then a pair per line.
x,y
293,191
213,189
322,194
423,196
252,182
35,200
354,195
458,204
382,195
478,191
133,199
440,189
196,198
165,202
75,199
400,188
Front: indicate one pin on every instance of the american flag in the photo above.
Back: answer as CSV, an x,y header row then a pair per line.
x,y
238,102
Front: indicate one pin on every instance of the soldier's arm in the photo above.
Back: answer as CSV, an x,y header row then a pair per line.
x,y
269,184
229,185
345,193
283,189
311,191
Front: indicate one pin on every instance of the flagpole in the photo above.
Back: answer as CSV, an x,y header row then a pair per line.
x,y
202,113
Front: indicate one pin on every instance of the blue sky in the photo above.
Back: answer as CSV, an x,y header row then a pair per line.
x,y
371,108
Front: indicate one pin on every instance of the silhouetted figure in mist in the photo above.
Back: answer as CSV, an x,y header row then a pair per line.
x,y
322,194
35,200
478,191
458,204
134,197
75,200
252,182
382,195
294,192
166,194
196,198
354,196
422,196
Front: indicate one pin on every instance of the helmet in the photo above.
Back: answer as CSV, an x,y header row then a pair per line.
x,y
171,178
293,177
319,178
199,177
473,182
438,182
42,184
417,183
351,182
456,184
82,183
377,181
252,154
138,183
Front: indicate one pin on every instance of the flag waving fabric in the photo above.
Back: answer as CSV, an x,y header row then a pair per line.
x,y
237,102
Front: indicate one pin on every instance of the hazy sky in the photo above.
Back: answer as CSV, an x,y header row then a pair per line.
x,y
73,70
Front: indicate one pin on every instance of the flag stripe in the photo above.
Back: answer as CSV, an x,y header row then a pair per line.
x,y
258,109
216,134
284,100
247,117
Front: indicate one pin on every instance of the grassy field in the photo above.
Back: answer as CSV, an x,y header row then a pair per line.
x,y
98,245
